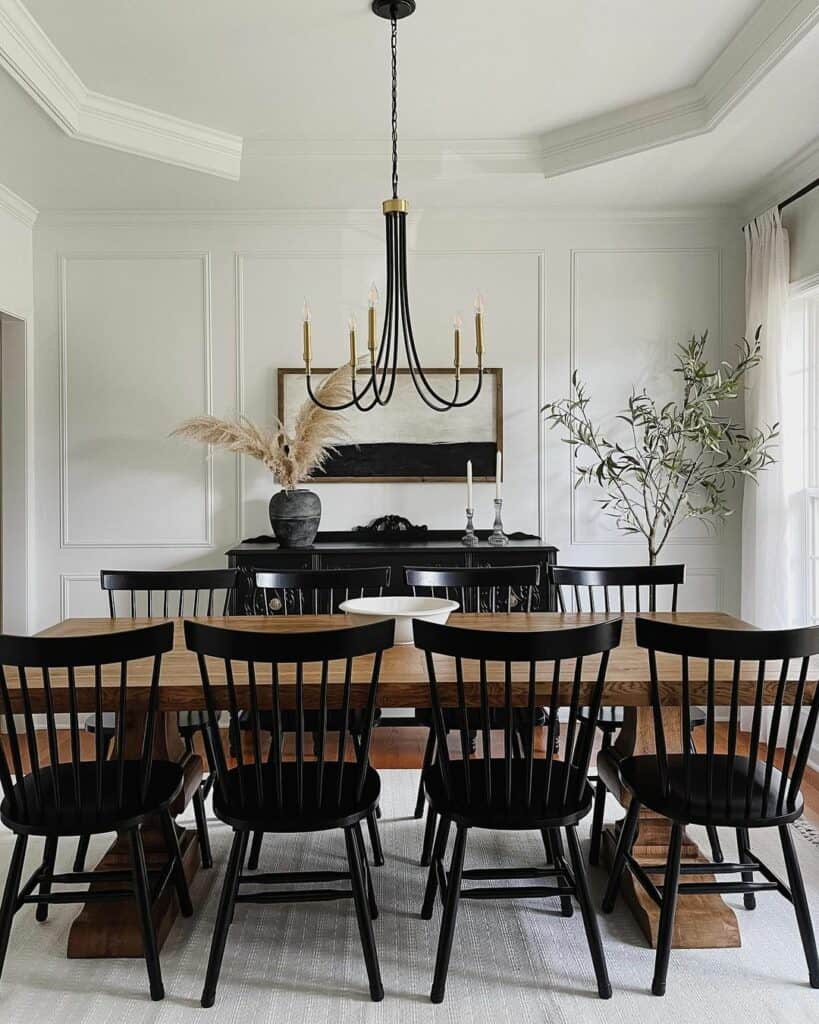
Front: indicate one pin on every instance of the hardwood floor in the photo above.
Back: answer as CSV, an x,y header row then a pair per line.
x,y
404,748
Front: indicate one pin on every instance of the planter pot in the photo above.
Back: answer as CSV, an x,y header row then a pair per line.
x,y
295,517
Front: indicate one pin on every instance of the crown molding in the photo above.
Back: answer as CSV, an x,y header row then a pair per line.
x,y
788,178
371,219
765,39
29,56
17,206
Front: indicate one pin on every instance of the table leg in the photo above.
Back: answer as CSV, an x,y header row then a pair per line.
x,y
702,921
112,929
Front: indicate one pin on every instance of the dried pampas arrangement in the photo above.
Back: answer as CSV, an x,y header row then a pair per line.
x,y
291,458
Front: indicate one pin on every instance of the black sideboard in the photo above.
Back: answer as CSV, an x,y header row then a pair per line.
x,y
343,550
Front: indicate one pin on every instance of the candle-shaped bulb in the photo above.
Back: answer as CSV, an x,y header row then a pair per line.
x,y
352,323
458,321
372,299
307,317
353,353
479,328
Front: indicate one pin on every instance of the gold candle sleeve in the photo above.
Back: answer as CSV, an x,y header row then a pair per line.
x,y
371,332
308,350
479,336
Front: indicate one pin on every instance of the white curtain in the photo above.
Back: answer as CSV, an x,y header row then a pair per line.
x,y
770,511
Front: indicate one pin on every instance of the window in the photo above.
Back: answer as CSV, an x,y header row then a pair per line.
x,y
805,328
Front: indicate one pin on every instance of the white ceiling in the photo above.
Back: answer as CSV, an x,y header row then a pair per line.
x,y
469,69
295,79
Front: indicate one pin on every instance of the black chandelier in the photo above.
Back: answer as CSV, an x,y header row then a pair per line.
x,y
383,362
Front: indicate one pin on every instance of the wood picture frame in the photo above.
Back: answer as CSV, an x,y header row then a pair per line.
x,y
416,459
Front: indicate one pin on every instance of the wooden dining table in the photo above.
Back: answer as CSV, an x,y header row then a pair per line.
x,y
702,920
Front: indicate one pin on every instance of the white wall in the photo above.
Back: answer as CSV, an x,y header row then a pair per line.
x,y
802,221
144,320
16,339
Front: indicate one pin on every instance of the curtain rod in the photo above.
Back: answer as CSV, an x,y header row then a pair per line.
x,y
798,195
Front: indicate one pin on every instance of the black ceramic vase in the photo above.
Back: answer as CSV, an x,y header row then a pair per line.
x,y
295,517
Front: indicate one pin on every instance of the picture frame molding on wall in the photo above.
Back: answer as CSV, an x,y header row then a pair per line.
x,y
494,374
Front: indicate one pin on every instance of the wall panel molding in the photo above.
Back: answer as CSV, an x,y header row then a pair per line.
x,y
241,259
620,540
66,579
64,260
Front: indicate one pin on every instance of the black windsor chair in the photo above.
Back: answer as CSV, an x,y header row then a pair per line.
x,y
277,793
733,790
517,790
80,797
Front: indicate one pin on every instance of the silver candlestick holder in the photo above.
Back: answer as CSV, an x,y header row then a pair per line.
x,y
497,537
469,539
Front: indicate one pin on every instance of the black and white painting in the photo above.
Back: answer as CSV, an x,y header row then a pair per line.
x,y
406,441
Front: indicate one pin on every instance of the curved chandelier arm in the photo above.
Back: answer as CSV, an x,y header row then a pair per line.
x,y
427,392
382,371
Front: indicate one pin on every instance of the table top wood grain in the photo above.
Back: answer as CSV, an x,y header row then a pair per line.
x,y
403,672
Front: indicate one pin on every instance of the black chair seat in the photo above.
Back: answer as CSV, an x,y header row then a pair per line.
x,y
686,800
78,818
249,813
486,810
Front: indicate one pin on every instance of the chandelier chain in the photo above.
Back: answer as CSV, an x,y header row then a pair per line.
x,y
394,52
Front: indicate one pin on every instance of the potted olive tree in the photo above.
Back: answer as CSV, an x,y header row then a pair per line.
x,y
292,457
674,461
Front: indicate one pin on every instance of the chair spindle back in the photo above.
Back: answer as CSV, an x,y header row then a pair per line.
x,y
615,588
178,592
538,668
317,591
51,676
501,588
298,672
740,670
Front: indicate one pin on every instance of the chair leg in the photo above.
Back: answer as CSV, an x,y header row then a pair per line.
x,y
453,898
82,853
224,916
255,851
438,852
429,837
589,916
142,895
49,856
180,882
628,833
375,840
800,905
599,810
566,905
668,910
362,910
743,845
359,839
10,893
716,847
429,755
597,822
202,828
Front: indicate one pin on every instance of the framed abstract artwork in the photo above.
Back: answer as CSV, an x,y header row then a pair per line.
x,y
405,441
